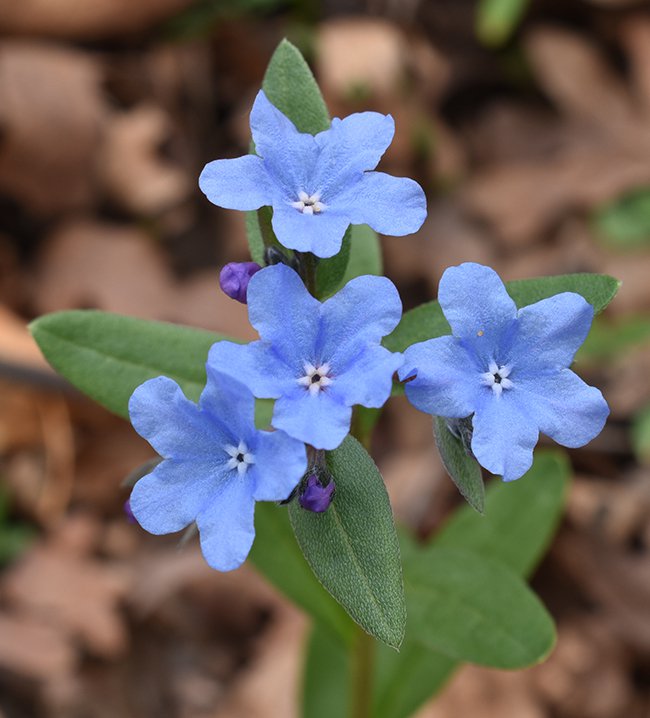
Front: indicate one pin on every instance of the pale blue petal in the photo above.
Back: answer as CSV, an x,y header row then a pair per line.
x,y
368,378
256,366
242,183
280,463
479,309
551,331
318,419
171,423
171,496
363,312
228,403
446,380
321,234
289,156
349,148
226,526
284,313
565,408
390,205
504,435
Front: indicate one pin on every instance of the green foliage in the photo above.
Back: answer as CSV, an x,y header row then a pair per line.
x,y
463,469
365,253
326,677
625,223
107,355
496,20
520,520
330,272
609,339
427,321
641,435
290,86
276,554
353,547
474,609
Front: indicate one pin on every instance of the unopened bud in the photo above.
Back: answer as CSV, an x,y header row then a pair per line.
x,y
316,497
234,279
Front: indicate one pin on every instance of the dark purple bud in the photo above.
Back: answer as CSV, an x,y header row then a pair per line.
x,y
316,497
129,514
234,279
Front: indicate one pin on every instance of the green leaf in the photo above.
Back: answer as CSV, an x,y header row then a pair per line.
x,y
365,253
277,556
625,223
108,355
475,609
254,235
405,680
520,520
497,19
290,86
463,469
427,321
353,547
520,516
330,272
326,678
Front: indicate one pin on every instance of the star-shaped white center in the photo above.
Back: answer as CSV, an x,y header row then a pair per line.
x,y
497,378
240,457
316,377
307,204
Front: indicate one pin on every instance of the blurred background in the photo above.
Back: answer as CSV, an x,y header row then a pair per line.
x,y
528,124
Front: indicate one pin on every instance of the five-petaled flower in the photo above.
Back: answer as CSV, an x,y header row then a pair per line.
x,y
507,369
317,359
317,184
216,465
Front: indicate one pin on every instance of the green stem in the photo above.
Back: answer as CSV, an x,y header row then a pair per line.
x,y
363,655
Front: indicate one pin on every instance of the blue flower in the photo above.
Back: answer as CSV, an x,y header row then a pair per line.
x,y
507,369
317,185
317,359
216,465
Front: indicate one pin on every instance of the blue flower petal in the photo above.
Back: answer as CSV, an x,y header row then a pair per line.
x,y
226,526
318,420
170,497
242,183
368,379
349,148
550,332
228,403
391,205
504,435
171,423
284,312
322,233
256,366
447,382
565,408
479,309
289,156
280,463
364,311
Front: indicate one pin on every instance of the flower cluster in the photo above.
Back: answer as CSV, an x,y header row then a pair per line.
x,y
502,369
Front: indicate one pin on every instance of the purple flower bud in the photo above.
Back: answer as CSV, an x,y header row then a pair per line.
x,y
234,279
316,497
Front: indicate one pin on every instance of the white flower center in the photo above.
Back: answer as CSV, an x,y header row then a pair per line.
x,y
307,204
316,377
240,457
497,378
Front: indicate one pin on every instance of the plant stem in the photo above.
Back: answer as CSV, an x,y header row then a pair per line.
x,y
363,654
